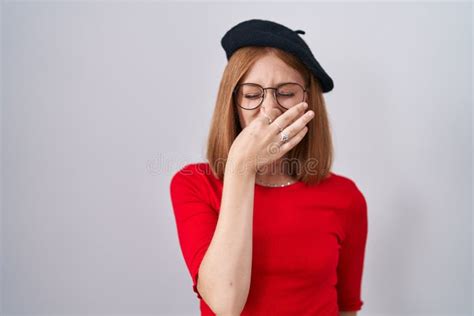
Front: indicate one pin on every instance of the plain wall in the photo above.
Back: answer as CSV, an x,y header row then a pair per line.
x,y
102,102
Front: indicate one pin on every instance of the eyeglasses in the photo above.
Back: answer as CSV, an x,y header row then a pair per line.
x,y
250,96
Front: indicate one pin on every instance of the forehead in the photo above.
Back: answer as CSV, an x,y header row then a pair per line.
x,y
270,70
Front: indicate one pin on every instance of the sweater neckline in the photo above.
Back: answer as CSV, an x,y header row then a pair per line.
x,y
294,185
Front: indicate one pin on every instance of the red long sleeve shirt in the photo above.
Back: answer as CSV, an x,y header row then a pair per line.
x,y
308,241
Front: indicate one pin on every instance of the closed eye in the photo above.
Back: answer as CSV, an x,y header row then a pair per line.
x,y
252,96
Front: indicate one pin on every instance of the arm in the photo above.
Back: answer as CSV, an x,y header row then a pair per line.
x,y
218,247
225,271
351,257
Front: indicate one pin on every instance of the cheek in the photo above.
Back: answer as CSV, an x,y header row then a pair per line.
x,y
246,117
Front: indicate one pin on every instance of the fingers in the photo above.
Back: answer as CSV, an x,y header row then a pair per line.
x,y
268,116
293,140
299,124
282,121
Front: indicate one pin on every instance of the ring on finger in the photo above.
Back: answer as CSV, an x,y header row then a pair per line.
x,y
284,137
269,119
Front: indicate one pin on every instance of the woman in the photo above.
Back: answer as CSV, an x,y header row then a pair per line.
x,y
264,226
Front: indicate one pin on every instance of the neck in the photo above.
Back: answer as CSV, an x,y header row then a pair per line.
x,y
274,173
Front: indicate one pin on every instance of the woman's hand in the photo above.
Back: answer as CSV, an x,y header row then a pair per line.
x,y
259,143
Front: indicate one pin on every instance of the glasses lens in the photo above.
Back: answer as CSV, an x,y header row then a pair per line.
x,y
290,94
248,96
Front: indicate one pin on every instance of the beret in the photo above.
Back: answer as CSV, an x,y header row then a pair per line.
x,y
256,32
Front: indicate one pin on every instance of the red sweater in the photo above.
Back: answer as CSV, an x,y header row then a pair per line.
x,y
308,241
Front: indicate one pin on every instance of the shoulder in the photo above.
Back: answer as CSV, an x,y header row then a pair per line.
x,y
192,169
351,190
191,175
345,183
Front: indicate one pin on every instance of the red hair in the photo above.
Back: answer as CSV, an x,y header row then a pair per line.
x,y
311,159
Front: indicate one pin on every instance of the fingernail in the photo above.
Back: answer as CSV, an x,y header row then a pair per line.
x,y
305,105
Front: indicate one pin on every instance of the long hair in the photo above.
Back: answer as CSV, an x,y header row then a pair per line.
x,y
311,159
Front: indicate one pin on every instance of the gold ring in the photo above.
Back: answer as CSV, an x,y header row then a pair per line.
x,y
268,118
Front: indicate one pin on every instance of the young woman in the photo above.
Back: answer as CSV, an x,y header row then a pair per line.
x,y
265,226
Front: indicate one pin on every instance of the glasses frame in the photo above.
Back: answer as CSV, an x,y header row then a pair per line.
x,y
275,89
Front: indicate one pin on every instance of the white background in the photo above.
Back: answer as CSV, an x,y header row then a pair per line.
x,y
103,101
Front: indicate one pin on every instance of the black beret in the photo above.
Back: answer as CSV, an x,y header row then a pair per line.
x,y
258,32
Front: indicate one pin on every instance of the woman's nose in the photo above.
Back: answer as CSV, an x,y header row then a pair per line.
x,y
270,101
269,114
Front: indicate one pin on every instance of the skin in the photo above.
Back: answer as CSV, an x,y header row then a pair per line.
x,y
269,71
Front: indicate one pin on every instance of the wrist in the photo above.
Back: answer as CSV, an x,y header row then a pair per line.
x,y
239,166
